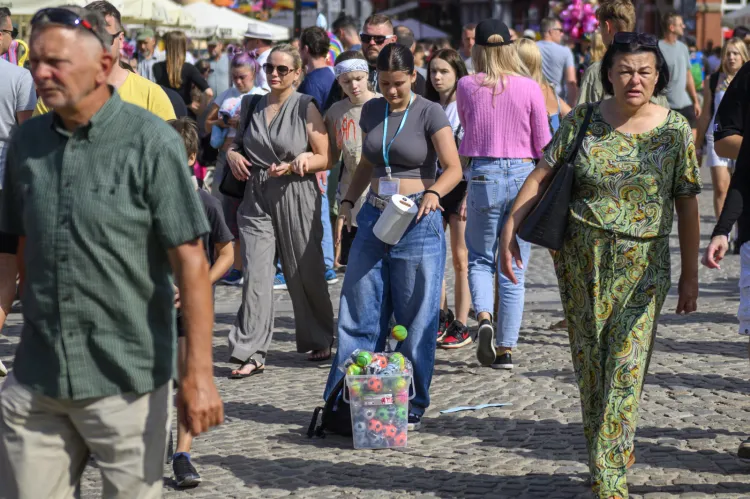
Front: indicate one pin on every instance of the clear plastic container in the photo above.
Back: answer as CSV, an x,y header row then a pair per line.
x,y
380,410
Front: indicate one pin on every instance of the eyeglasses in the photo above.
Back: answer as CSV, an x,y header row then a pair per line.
x,y
64,17
116,36
556,29
379,39
645,39
280,70
9,31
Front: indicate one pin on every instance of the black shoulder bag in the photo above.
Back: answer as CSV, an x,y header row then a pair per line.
x,y
547,222
229,185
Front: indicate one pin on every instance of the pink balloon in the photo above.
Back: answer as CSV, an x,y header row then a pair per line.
x,y
564,15
588,9
575,32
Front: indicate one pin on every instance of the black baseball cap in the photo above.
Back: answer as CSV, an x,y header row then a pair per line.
x,y
489,28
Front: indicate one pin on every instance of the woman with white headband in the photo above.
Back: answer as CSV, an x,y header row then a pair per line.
x,y
345,136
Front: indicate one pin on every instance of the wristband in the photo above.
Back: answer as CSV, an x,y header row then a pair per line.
x,y
430,191
347,201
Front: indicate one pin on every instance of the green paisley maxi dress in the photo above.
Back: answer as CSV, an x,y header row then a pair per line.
x,y
614,271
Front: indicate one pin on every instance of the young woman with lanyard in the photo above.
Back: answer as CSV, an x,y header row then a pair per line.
x,y
445,69
345,137
403,135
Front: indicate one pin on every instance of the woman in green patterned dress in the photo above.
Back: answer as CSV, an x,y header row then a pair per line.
x,y
636,165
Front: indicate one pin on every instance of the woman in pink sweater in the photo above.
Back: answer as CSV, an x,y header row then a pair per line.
x,y
505,118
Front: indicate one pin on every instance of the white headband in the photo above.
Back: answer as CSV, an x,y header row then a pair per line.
x,y
351,65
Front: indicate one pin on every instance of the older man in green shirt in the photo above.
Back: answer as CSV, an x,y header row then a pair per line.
x,y
99,195
614,16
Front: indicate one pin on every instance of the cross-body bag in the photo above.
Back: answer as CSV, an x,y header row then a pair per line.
x,y
546,224
229,185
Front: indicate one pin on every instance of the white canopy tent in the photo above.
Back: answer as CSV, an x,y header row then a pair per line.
x,y
739,17
162,11
30,7
212,20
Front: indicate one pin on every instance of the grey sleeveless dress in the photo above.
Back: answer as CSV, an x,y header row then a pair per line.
x,y
281,214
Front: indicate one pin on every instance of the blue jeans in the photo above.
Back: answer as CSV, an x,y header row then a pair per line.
x,y
403,281
493,187
325,217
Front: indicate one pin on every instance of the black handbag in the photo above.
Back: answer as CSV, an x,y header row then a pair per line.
x,y
545,225
229,185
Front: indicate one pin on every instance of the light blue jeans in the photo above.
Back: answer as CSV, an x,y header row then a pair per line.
x,y
403,281
493,186
325,217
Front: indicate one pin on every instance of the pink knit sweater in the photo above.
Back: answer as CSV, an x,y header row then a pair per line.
x,y
512,124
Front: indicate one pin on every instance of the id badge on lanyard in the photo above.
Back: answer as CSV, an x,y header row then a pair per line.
x,y
388,186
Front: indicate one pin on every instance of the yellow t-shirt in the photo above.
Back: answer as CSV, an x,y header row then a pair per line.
x,y
138,91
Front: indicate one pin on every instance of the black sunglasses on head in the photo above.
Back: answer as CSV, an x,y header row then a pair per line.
x,y
281,70
64,17
627,37
366,39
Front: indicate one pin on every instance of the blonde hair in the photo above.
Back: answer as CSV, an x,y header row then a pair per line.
x,y
741,48
531,57
175,44
497,62
598,49
620,13
288,49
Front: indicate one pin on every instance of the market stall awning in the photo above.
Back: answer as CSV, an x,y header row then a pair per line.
x,y
739,17
30,7
211,20
421,30
160,11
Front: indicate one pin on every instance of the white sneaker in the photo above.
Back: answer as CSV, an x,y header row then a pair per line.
x,y
3,369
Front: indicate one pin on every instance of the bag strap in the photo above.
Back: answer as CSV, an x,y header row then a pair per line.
x,y
252,103
713,83
311,428
581,133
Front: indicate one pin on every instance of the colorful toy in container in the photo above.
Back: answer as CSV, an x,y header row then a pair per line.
x,y
378,397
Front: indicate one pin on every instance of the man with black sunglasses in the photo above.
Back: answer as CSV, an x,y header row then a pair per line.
x,y
131,87
108,218
17,98
377,32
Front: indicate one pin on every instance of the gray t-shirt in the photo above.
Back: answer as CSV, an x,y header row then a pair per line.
x,y
218,80
412,154
678,62
17,93
555,60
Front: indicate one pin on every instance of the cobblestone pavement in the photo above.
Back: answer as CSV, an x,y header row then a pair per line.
x,y
693,416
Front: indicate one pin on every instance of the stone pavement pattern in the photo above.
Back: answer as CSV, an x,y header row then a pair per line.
x,y
694,413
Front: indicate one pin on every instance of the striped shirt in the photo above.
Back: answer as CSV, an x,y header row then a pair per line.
x,y
99,207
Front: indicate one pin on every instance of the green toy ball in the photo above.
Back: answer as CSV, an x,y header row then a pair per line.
x,y
399,333
400,384
353,370
355,388
398,358
364,359
383,414
402,413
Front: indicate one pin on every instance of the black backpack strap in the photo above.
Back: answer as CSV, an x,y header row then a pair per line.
x,y
252,102
311,428
581,133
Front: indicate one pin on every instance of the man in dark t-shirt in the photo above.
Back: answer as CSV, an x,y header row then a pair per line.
x,y
729,130
319,75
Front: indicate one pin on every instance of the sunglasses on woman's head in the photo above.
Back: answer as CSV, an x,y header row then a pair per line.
x,y
645,39
281,70
366,39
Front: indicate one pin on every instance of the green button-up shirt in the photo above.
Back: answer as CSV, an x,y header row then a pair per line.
x,y
99,208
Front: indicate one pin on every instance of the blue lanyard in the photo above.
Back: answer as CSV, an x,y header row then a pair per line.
x,y
387,150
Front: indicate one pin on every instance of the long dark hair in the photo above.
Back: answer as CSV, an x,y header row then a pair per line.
x,y
396,57
453,58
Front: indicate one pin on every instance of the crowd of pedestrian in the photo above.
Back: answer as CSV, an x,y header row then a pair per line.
x,y
116,233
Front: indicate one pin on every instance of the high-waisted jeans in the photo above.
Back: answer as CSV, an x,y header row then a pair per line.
x,y
403,281
493,186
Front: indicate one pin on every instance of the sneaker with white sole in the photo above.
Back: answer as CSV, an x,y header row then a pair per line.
x,y
232,278
457,336
415,422
331,276
486,343
3,369
279,283
504,361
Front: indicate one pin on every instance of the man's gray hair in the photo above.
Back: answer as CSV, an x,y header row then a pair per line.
x,y
547,24
95,19
4,14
